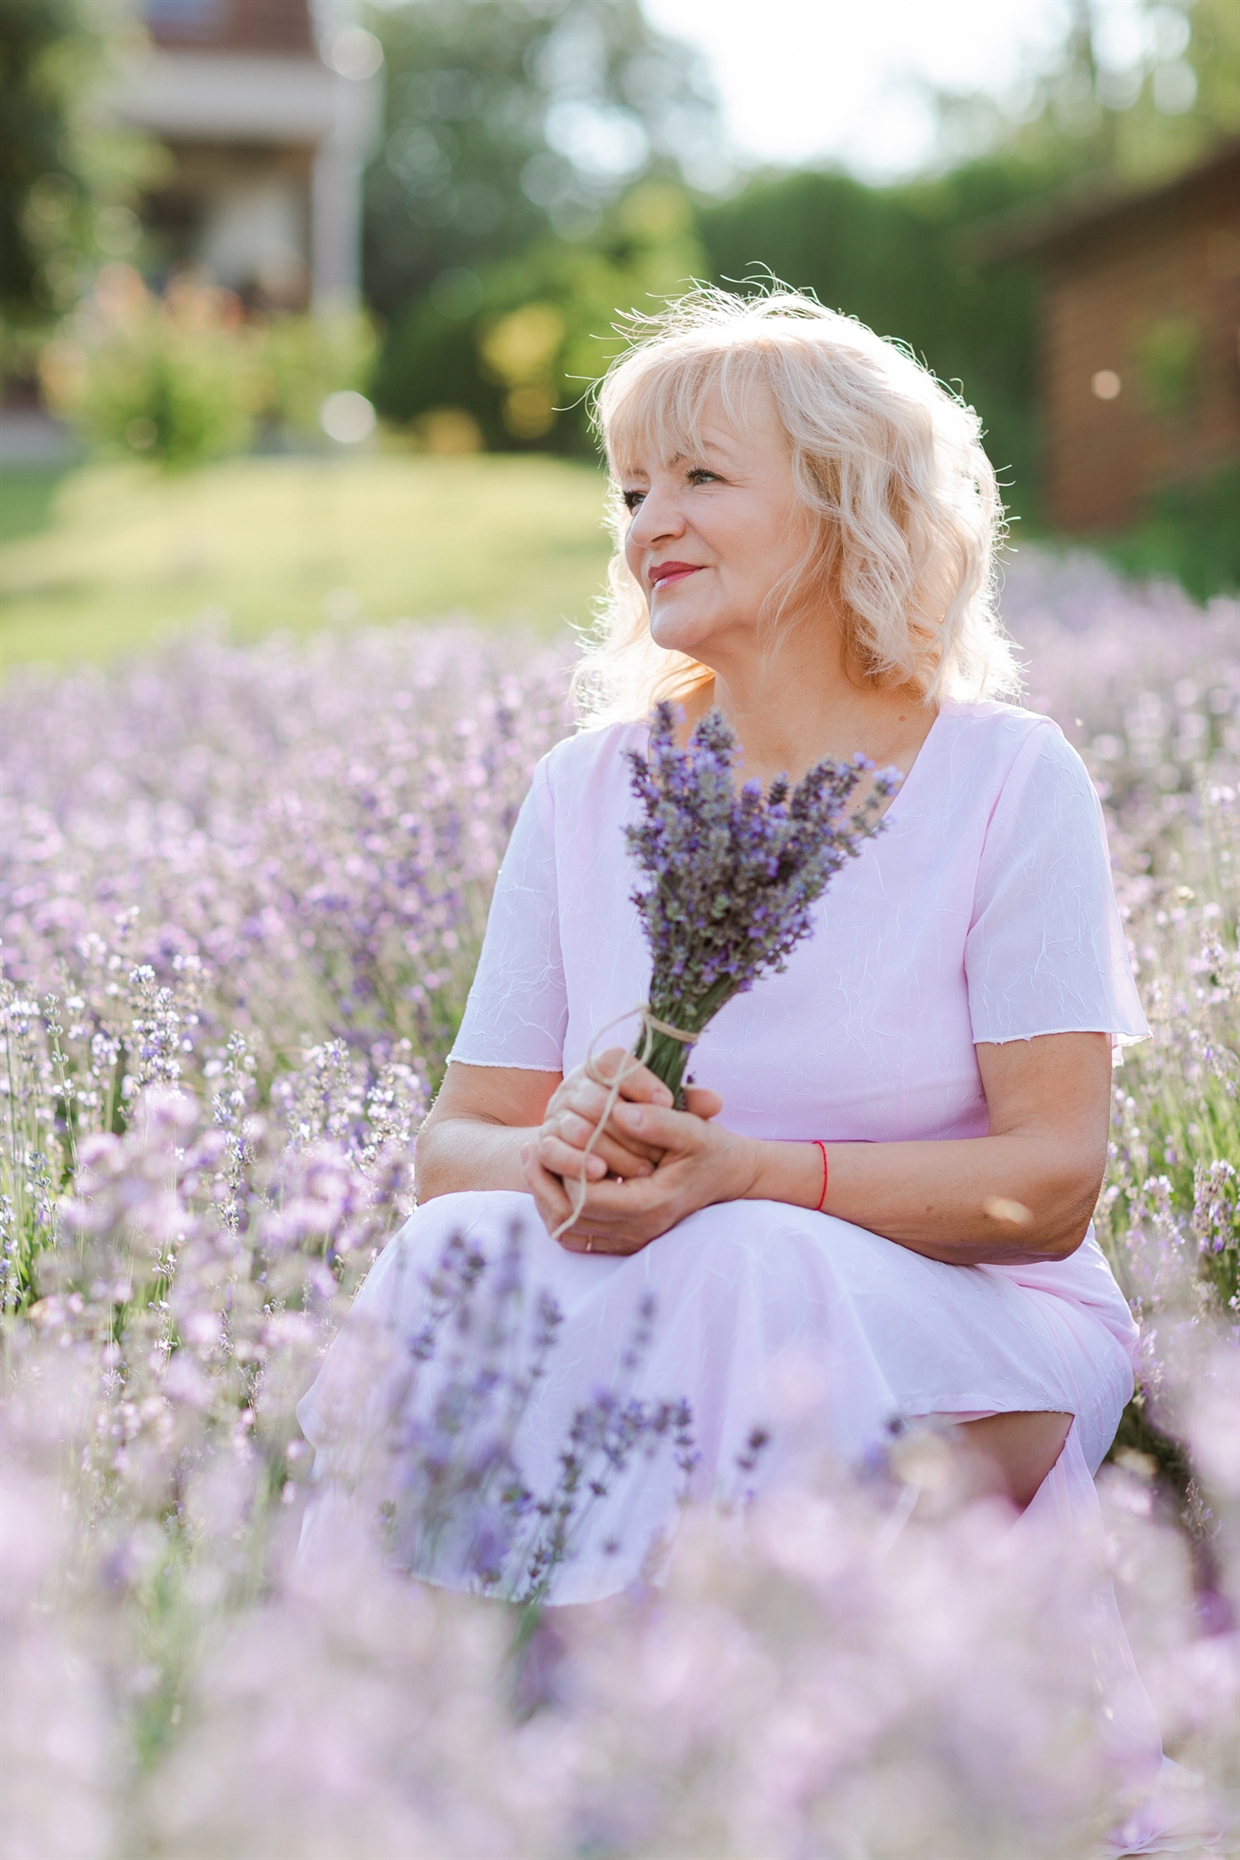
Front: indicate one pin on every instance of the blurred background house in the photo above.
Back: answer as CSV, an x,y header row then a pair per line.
x,y
267,125
1140,342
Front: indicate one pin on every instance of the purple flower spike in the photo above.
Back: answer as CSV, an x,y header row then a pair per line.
x,y
734,875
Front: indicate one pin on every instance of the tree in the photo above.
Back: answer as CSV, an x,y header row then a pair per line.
x,y
62,170
899,259
519,361
512,121
1130,100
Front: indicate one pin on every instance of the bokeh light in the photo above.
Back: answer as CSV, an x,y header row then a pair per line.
x,y
347,417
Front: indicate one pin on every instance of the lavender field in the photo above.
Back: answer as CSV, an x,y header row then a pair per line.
x,y
243,892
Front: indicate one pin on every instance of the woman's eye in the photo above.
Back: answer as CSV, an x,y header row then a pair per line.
x,y
631,499
700,475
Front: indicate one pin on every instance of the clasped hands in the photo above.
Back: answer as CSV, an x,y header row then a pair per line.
x,y
650,1167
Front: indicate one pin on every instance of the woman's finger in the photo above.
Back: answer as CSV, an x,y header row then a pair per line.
x,y
548,1190
603,1216
561,1159
583,1096
637,1082
702,1101
584,1112
558,1196
555,1208
678,1131
572,1129
578,1133
602,1246
614,1072
621,1209
566,1158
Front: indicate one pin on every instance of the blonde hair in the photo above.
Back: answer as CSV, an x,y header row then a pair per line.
x,y
900,499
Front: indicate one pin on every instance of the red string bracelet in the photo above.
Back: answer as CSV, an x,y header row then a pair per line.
x,y
821,1147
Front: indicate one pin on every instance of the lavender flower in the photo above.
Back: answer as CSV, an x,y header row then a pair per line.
x,y
458,1503
317,827
735,876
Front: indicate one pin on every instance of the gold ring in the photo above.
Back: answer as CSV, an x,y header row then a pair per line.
x,y
589,1244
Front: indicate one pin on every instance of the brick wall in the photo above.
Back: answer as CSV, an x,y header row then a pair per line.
x,y
1148,298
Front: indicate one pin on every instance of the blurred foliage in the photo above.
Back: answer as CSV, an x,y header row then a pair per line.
x,y
176,380
1132,99
309,357
513,121
519,360
187,376
900,260
1169,364
66,174
1192,532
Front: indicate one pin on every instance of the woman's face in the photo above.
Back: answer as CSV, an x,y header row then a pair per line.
x,y
711,533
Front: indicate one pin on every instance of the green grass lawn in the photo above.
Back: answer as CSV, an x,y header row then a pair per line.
x,y
102,559
26,499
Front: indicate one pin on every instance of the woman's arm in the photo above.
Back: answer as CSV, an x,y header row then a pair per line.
x,y
477,1126
1024,1192
1027,1190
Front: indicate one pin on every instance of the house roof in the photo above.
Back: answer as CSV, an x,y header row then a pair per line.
x,y
1078,218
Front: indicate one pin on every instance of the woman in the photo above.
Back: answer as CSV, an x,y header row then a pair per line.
x,y
886,1169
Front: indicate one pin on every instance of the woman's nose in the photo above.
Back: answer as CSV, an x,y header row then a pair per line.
x,y
658,515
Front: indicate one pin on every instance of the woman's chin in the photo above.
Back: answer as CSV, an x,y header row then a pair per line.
x,y
680,632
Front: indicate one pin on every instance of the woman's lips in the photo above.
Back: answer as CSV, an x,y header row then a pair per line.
x,y
667,572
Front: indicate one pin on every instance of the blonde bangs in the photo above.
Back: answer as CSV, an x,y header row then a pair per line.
x,y
901,508
655,410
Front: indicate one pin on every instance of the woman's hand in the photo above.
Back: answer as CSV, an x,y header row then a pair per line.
x,y
651,1167
573,1112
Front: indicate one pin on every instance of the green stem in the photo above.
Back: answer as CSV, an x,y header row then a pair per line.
x,y
668,1057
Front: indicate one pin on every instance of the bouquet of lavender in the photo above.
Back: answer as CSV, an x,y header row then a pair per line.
x,y
734,876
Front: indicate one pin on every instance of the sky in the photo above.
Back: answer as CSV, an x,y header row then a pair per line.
x,y
845,79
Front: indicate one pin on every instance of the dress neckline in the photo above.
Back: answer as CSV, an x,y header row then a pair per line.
x,y
898,801
642,725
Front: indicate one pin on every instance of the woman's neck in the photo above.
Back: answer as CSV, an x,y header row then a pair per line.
x,y
799,703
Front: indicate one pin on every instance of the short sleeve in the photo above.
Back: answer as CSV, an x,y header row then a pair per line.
x,y
1046,950
517,1009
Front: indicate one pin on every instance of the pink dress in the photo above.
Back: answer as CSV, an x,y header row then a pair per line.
x,y
983,912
